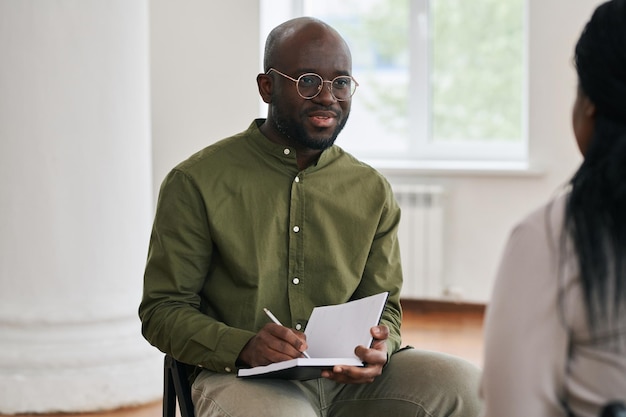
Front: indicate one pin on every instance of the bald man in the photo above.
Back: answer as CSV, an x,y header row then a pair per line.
x,y
279,216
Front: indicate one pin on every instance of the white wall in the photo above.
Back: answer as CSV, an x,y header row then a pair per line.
x,y
204,63
482,209
75,206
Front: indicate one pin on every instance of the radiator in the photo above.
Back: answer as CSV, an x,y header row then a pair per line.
x,y
421,240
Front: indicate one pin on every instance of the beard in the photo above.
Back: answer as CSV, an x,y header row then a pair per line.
x,y
296,133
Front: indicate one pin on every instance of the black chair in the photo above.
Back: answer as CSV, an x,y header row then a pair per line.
x,y
614,409
176,389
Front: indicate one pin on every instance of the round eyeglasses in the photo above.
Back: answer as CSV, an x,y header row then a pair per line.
x,y
309,85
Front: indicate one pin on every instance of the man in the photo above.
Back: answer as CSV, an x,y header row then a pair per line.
x,y
279,217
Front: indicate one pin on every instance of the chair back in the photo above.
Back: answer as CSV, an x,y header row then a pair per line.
x,y
176,389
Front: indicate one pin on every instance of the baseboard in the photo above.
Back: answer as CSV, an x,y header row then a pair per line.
x,y
436,306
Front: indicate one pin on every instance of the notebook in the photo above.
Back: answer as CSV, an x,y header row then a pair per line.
x,y
332,333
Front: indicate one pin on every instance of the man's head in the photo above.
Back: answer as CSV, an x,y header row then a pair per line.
x,y
296,47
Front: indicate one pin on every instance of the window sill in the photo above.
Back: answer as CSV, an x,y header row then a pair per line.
x,y
455,168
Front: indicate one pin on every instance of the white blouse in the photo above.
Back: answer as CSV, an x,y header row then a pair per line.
x,y
538,353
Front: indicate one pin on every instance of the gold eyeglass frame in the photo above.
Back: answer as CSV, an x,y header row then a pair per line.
x,y
321,86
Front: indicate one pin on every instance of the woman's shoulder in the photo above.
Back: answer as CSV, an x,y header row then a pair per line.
x,y
547,218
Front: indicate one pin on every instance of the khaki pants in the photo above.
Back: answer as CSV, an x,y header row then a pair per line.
x,y
414,383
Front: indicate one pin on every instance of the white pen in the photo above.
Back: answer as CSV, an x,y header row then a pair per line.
x,y
275,320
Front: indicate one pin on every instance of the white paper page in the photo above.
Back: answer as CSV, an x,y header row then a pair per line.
x,y
334,331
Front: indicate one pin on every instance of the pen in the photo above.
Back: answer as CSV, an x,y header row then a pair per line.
x,y
275,320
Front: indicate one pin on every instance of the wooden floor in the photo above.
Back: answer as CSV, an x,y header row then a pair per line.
x,y
456,329
450,328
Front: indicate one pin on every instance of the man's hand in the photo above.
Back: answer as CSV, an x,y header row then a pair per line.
x,y
375,358
273,343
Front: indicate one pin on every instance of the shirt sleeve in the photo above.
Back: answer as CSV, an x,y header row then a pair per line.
x,y
383,271
178,262
525,341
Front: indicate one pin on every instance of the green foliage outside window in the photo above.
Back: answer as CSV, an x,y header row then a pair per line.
x,y
476,64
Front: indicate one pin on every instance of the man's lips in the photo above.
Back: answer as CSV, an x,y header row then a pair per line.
x,y
323,118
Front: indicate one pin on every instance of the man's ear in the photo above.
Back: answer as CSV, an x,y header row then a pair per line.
x,y
265,84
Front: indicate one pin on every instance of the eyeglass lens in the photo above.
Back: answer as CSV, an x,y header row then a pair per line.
x,y
310,85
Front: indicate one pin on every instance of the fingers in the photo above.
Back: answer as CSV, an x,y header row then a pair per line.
x,y
380,332
284,340
353,374
374,357
377,353
273,343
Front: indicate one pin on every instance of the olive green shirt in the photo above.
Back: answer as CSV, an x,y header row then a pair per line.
x,y
239,227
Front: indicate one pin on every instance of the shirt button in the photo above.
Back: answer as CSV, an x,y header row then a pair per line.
x,y
227,369
286,151
297,179
296,229
296,281
298,326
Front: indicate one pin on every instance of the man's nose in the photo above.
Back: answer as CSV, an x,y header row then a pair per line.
x,y
326,94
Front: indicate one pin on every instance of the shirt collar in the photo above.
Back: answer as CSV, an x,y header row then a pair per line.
x,y
287,153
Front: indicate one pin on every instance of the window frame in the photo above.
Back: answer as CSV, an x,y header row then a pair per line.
x,y
423,152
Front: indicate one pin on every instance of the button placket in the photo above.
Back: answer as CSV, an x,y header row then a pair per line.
x,y
296,256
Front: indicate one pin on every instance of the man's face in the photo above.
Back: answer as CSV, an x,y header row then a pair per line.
x,y
311,126
311,123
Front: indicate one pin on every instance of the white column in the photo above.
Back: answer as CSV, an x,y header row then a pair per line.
x,y
75,205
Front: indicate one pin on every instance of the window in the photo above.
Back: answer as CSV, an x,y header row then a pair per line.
x,y
440,80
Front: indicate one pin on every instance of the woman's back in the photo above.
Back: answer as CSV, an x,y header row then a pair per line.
x,y
556,324
538,352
